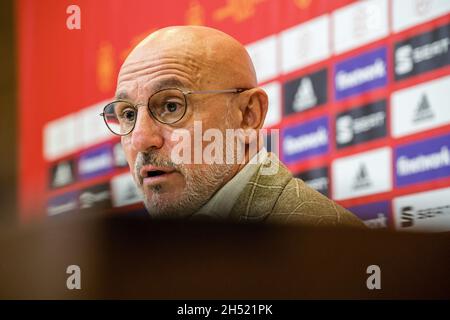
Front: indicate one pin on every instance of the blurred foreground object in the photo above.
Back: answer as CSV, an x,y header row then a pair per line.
x,y
135,257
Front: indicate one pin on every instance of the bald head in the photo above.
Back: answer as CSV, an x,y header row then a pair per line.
x,y
188,58
209,58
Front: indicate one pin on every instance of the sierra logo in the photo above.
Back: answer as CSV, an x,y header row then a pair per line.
x,y
425,211
361,124
407,217
422,53
316,178
96,196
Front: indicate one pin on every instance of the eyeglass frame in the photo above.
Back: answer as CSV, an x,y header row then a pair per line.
x,y
185,94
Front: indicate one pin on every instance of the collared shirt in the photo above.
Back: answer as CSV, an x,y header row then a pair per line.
x,y
220,205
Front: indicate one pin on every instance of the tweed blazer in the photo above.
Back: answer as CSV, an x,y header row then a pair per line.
x,y
274,195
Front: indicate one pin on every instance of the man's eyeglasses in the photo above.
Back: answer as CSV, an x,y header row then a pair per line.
x,y
167,106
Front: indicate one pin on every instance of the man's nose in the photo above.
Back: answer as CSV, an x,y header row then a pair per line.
x,y
146,134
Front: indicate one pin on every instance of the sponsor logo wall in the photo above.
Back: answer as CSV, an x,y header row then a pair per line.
x,y
360,91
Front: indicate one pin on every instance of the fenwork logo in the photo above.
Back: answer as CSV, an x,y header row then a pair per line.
x,y
305,140
423,161
360,74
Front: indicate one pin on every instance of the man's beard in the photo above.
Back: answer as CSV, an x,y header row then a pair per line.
x,y
201,182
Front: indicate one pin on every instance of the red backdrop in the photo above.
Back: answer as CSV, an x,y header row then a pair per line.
x,y
63,73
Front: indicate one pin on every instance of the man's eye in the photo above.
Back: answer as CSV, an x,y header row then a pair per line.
x,y
128,114
171,106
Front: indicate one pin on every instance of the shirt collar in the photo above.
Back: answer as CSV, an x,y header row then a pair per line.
x,y
220,205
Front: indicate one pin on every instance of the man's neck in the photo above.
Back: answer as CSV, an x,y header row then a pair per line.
x,y
222,201
240,166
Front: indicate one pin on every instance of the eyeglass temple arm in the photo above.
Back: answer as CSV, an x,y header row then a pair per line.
x,y
238,90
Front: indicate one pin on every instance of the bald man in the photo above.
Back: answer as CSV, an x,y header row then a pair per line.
x,y
182,79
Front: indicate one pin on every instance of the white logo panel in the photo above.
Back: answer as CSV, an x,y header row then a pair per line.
x,y
362,174
90,125
264,55
359,24
77,130
124,190
421,107
60,137
305,44
408,13
425,211
273,115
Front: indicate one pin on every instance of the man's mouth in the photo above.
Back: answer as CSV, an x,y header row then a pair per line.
x,y
153,175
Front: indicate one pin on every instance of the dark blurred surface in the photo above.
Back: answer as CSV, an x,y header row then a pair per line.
x,y
8,118
135,257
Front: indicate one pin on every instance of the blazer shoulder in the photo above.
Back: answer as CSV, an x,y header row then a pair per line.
x,y
299,203
274,195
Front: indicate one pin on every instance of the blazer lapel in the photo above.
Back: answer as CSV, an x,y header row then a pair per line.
x,y
261,193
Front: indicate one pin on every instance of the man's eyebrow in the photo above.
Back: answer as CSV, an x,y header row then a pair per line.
x,y
122,95
168,83
163,84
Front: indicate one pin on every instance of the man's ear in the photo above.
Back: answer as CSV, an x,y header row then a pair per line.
x,y
253,108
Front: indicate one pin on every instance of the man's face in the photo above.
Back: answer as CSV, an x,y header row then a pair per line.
x,y
171,189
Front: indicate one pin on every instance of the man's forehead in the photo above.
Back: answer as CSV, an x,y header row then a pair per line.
x,y
128,91
198,58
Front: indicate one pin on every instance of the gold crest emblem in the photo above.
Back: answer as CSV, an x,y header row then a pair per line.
x,y
238,10
105,67
195,14
302,4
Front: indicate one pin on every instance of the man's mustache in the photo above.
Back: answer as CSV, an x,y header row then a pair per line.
x,y
151,158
